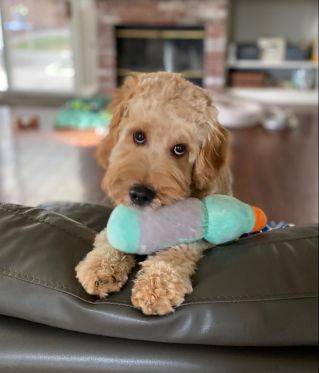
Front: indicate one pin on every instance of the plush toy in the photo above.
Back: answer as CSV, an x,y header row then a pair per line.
x,y
217,219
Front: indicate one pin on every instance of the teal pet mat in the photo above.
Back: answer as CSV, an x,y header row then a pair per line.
x,y
84,113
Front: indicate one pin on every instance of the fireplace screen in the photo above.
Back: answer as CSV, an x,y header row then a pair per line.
x,y
146,49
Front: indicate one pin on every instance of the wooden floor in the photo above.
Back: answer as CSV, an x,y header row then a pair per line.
x,y
277,171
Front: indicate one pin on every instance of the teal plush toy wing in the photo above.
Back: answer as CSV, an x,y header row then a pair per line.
x,y
217,219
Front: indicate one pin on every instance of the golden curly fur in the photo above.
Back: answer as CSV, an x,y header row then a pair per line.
x,y
169,110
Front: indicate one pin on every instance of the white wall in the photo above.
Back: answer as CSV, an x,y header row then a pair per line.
x,y
295,20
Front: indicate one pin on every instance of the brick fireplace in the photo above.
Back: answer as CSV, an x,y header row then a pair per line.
x,y
211,15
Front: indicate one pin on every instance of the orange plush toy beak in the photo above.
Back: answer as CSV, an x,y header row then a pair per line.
x,y
260,219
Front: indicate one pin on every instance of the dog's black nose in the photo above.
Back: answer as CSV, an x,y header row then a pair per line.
x,y
141,195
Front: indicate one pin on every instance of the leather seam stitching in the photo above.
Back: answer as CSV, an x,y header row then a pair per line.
x,y
35,280
315,236
47,222
66,290
50,285
256,297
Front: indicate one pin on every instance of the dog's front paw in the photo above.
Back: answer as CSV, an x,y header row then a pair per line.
x,y
158,290
100,276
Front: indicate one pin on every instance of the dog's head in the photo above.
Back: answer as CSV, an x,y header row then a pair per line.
x,y
164,144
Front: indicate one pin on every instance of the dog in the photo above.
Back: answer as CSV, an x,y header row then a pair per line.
x,y
164,144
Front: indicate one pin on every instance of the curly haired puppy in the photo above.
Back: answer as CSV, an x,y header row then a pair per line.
x,y
165,144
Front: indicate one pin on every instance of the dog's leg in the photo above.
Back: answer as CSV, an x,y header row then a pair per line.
x,y
104,270
165,278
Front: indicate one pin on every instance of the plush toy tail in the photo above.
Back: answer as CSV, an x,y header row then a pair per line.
x,y
260,219
228,218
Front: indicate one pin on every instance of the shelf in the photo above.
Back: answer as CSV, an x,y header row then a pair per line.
x,y
189,74
160,34
279,96
262,65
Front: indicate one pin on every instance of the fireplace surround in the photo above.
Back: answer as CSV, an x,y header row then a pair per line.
x,y
187,36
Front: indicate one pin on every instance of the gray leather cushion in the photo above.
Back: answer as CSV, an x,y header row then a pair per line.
x,y
26,347
259,291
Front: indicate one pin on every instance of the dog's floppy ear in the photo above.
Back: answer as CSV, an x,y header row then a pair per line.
x,y
212,157
118,106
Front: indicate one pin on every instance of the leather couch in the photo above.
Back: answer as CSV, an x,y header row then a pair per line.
x,y
254,307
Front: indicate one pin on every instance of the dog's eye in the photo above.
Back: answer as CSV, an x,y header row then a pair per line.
x,y
139,137
179,150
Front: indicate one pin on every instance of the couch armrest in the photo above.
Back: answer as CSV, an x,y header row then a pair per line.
x,y
259,291
91,215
